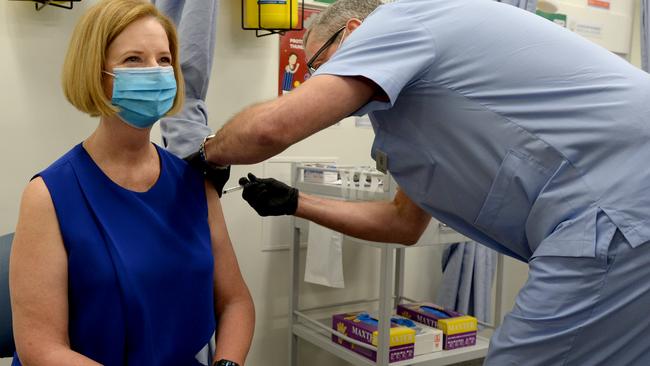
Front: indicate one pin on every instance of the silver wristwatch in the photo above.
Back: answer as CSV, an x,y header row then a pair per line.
x,y
204,155
202,152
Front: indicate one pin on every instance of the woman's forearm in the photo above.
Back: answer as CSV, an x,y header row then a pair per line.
x,y
235,330
59,356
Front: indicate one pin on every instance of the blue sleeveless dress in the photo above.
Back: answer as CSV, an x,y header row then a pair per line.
x,y
140,265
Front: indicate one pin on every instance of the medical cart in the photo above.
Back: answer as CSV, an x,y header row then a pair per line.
x,y
361,184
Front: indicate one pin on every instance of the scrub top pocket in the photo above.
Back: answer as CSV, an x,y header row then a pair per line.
x,y
588,235
517,184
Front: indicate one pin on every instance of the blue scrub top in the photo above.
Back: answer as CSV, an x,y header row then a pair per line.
x,y
511,129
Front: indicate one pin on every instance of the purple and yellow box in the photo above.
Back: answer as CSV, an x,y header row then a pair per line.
x,y
458,330
360,326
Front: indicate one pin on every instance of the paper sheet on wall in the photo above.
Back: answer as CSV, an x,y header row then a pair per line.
x,y
324,257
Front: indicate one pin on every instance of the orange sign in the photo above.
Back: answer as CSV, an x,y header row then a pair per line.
x,y
599,3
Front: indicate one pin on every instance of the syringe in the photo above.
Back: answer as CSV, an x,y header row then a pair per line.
x,y
232,189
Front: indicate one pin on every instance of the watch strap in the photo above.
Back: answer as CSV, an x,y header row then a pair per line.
x,y
226,363
202,152
204,155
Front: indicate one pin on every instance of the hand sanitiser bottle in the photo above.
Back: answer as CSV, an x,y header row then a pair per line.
x,y
271,14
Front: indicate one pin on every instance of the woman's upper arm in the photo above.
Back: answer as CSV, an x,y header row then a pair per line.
x,y
229,283
38,275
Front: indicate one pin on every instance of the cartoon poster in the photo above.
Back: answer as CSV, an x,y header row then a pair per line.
x,y
293,65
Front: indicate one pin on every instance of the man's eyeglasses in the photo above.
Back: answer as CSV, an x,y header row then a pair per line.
x,y
326,45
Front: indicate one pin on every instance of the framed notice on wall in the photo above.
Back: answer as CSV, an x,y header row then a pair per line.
x,y
293,64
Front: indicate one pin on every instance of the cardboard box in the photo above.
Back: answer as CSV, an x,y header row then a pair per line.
x,y
427,339
458,330
402,339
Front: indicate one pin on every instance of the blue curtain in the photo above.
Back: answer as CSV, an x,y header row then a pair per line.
x,y
645,35
468,270
196,21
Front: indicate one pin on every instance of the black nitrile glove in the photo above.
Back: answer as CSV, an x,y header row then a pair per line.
x,y
218,176
268,196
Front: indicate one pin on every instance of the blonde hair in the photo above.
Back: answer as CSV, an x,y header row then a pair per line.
x,y
84,61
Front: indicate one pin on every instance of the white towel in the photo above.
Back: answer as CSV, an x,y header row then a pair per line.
x,y
324,257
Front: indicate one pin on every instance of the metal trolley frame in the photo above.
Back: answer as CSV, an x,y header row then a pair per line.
x,y
303,325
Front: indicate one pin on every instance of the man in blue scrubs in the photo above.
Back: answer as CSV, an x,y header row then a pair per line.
x,y
512,130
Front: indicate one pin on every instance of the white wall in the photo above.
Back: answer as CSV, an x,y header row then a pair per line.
x,y
38,125
635,54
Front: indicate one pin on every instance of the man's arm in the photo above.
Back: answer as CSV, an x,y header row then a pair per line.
x,y
266,129
399,221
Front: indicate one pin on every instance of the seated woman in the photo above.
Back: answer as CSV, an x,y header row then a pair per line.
x,y
121,254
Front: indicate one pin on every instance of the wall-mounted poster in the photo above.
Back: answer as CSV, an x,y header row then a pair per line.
x,y
293,65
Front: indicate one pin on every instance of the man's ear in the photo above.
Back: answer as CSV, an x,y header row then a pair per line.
x,y
352,24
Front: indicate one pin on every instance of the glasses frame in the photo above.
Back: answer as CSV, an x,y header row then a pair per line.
x,y
324,47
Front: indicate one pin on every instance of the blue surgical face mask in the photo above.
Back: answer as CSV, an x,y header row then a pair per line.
x,y
143,94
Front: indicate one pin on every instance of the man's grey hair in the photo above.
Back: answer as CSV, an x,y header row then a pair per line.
x,y
337,15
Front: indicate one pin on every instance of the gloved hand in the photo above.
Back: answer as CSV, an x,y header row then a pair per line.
x,y
268,196
218,176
